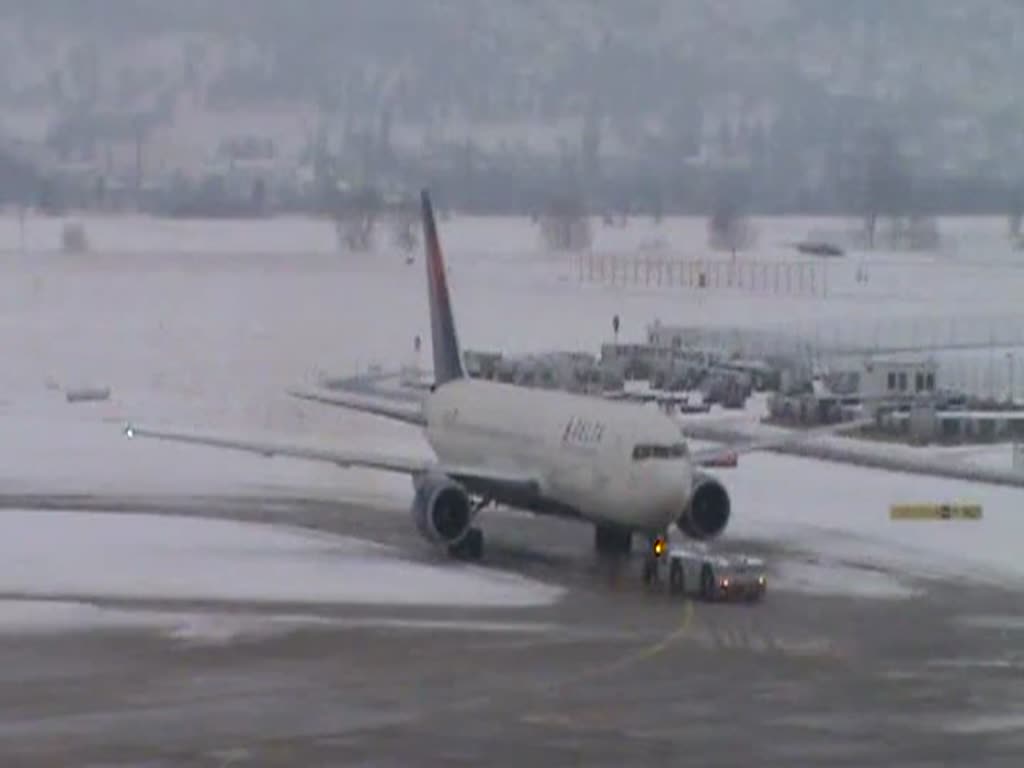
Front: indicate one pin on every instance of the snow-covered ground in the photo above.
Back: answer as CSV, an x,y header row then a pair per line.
x,y
996,456
843,512
71,555
69,453
43,616
206,324
837,578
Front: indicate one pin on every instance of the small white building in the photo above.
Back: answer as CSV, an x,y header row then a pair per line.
x,y
897,377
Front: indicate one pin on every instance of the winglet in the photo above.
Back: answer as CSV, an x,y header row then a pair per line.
x,y
447,355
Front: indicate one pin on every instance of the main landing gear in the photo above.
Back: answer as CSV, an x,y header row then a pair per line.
x,y
470,547
611,540
617,542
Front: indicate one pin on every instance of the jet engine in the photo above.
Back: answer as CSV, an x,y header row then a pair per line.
x,y
441,510
707,514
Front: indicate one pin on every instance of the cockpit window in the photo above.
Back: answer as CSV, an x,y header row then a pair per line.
x,y
653,451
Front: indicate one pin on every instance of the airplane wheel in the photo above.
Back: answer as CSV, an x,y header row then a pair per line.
x,y
470,548
675,578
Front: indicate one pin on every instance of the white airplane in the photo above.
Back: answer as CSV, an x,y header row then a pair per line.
x,y
622,467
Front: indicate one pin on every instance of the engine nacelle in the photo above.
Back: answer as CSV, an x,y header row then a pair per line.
x,y
707,514
441,510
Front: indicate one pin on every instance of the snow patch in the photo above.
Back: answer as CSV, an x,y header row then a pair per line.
x,y
61,616
842,512
87,555
1002,623
26,616
1001,723
835,578
53,453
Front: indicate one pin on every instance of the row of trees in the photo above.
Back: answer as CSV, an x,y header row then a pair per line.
x,y
565,222
358,212
876,180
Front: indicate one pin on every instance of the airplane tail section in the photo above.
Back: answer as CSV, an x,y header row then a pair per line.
x,y
447,355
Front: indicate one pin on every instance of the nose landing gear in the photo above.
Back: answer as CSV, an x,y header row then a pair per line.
x,y
656,550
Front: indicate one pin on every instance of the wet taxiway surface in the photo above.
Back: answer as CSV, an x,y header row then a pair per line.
x,y
610,675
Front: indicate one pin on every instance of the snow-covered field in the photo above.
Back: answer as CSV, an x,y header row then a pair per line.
x,y
77,555
64,451
207,323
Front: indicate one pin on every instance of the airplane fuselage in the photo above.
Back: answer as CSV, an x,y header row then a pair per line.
x,y
583,450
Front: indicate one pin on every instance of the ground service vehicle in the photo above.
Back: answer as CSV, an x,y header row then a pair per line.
x,y
713,577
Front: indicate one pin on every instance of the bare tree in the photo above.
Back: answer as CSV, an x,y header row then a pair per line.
x,y
73,238
355,218
915,232
590,145
728,228
403,226
886,182
565,226
657,206
910,227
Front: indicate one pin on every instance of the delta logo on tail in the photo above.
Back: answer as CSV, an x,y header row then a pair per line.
x,y
447,355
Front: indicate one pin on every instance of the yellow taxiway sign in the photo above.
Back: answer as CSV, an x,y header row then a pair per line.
x,y
935,512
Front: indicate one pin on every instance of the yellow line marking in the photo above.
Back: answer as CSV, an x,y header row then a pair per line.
x,y
636,657
597,671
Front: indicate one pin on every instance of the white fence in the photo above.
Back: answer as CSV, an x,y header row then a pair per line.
x,y
791,277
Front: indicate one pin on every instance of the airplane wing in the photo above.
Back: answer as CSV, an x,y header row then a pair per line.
x,y
477,480
742,443
852,452
404,408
